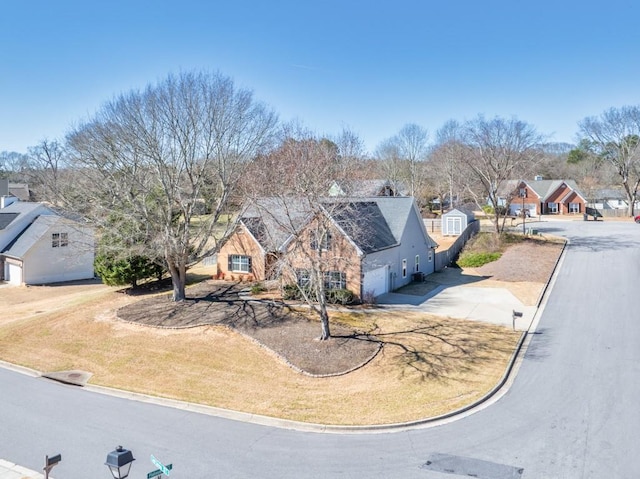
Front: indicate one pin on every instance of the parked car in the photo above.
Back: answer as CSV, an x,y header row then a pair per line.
x,y
637,219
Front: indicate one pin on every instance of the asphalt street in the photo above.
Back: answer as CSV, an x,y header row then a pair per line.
x,y
571,412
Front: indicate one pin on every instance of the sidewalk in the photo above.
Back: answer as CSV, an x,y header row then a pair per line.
x,y
9,470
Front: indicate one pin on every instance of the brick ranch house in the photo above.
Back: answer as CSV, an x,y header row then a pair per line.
x,y
369,246
544,197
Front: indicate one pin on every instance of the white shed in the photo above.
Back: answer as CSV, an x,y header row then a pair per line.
x,y
454,222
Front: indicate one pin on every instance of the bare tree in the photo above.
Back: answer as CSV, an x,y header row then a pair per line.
x,y
390,163
162,157
445,161
46,168
290,195
615,137
13,165
497,150
406,152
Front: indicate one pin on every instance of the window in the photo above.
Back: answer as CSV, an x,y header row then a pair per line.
x,y
59,240
304,277
552,207
417,269
404,268
335,280
239,263
332,279
574,207
321,241
430,258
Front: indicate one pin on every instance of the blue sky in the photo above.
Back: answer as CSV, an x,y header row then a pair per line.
x,y
370,66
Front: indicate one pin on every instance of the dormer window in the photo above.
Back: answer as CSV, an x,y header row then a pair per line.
x,y
321,241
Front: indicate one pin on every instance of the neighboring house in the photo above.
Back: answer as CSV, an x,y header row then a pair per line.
x,y
19,190
370,246
39,245
367,188
543,197
612,199
454,222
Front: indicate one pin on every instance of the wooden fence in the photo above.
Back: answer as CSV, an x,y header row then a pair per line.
x,y
446,257
432,225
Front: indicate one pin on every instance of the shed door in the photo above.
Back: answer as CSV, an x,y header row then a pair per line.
x,y
375,281
454,225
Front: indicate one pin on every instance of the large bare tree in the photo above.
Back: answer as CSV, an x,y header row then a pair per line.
x,y
167,159
290,195
403,156
497,150
48,176
445,162
615,137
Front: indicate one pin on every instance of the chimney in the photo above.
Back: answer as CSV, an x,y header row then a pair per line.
x,y
7,200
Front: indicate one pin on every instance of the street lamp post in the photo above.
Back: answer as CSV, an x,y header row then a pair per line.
x,y
523,194
119,462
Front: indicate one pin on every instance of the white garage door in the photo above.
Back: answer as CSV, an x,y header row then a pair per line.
x,y
515,208
375,281
15,274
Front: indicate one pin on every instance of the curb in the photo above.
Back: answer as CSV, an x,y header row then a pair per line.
x,y
489,398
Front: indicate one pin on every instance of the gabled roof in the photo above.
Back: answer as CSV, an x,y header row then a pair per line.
x,y
364,223
460,211
272,221
542,188
367,188
610,194
20,191
545,188
30,236
372,224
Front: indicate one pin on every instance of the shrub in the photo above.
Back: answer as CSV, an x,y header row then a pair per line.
x,y
291,292
334,296
369,297
258,288
475,260
339,296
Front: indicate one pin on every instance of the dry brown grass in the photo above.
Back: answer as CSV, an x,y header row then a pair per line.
x,y
428,366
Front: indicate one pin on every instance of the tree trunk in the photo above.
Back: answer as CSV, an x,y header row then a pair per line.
x,y
179,280
324,319
324,314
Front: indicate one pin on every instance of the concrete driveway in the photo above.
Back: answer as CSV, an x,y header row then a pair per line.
x,y
458,298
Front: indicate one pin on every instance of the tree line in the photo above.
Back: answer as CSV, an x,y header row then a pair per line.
x,y
162,172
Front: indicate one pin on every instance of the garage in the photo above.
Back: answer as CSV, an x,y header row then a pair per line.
x,y
516,208
375,281
13,273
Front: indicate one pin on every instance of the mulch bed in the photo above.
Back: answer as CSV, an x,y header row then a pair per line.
x,y
273,325
530,260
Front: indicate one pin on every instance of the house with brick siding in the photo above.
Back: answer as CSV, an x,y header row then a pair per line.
x,y
367,245
544,197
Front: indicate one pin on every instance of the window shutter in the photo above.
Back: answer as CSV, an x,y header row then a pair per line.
x,y
229,263
249,261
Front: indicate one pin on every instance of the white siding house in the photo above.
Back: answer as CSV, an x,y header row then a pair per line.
x,y
38,246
